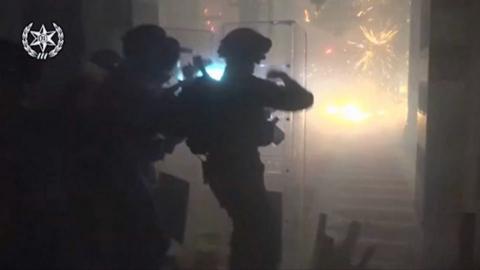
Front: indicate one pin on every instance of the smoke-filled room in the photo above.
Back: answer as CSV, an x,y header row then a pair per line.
x,y
239,134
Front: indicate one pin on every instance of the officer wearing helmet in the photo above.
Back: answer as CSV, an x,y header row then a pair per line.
x,y
31,141
130,112
228,127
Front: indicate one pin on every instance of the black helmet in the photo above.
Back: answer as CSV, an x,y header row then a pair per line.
x,y
245,43
143,38
151,49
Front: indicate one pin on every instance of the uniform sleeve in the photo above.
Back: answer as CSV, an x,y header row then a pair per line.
x,y
290,97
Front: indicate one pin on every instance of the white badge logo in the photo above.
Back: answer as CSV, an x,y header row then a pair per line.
x,y
43,39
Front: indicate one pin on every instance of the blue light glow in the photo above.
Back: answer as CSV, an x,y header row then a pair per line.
x,y
216,71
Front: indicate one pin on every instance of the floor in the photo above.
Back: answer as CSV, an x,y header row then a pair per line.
x,y
365,177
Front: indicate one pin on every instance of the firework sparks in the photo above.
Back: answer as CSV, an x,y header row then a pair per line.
x,y
382,38
365,11
366,61
356,44
369,2
377,51
374,51
307,16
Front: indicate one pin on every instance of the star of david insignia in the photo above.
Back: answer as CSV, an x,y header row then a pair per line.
x,y
43,41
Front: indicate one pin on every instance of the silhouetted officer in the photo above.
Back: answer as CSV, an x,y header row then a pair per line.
x,y
228,128
13,75
129,113
32,213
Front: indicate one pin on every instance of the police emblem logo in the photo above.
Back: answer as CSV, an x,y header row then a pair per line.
x,y
43,40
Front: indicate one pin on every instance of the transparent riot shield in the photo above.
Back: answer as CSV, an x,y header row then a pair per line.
x,y
208,227
199,41
193,42
285,163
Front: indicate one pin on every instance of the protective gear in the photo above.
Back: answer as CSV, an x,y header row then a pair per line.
x,y
143,38
245,43
239,187
228,124
149,51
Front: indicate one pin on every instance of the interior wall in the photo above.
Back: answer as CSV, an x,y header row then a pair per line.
x,y
449,102
105,22
180,13
416,129
472,188
145,12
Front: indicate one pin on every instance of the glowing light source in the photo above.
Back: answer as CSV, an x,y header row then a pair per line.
x,y
328,51
332,110
348,112
216,71
307,16
353,113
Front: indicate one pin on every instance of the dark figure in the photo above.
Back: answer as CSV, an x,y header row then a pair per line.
x,y
12,81
228,128
88,166
33,225
108,60
116,143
